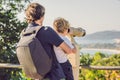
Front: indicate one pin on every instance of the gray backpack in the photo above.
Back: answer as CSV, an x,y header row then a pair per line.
x,y
33,58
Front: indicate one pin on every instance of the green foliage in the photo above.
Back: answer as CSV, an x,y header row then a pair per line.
x,y
114,60
97,58
85,59
10,28
100,59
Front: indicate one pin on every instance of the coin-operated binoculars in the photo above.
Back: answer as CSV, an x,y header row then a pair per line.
x,y
79,32
75,58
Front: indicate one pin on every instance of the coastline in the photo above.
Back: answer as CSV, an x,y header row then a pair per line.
x,y
93,50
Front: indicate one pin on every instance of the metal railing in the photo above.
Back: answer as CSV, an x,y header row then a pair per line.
x,y
9,65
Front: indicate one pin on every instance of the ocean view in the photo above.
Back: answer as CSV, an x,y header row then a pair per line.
x,y
92,51
106,42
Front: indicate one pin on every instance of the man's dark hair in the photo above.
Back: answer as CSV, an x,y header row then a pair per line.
x,y
34,12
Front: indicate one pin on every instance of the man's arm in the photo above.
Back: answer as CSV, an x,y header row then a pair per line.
x,y
66,48
74,50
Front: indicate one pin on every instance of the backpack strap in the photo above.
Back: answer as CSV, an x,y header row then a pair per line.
x,y
30,31
37,28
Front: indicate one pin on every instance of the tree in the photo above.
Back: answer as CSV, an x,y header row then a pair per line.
x,y
10,28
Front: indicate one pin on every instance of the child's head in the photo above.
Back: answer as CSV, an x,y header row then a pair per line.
x,y
61,25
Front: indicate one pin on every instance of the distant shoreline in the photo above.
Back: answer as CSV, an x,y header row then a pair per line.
x,y
95,49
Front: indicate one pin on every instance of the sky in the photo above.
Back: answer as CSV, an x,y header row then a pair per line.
x,y
91,15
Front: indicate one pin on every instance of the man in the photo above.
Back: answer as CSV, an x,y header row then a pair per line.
x,y
47,36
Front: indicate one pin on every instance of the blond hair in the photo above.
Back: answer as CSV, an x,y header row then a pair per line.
x,y
60,24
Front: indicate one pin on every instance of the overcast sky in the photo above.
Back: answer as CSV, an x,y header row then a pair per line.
x,y
92,15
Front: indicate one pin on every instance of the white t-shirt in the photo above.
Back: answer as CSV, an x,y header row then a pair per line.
x,y
60,54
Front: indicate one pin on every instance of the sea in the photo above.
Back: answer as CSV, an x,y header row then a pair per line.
x,y
92,51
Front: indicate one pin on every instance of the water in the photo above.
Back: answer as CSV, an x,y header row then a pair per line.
x,y
104,51
94,41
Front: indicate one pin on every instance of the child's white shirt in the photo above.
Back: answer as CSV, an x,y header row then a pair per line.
x,y
60,54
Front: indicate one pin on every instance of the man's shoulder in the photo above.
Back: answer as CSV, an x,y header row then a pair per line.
x,y
47,28
47,31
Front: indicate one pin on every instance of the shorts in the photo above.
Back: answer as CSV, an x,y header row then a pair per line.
x,y
67,69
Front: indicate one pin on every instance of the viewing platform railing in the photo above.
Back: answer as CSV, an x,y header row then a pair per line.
x,y
9,65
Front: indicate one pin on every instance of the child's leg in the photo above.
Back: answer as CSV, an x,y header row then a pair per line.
x,y
67,68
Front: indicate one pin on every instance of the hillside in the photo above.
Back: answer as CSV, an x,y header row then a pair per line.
x,y
103,35
103,39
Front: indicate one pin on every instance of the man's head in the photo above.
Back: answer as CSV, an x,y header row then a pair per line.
x,y
61,25
34,12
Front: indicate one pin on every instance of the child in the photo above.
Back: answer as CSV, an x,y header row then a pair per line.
x,y
61,26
